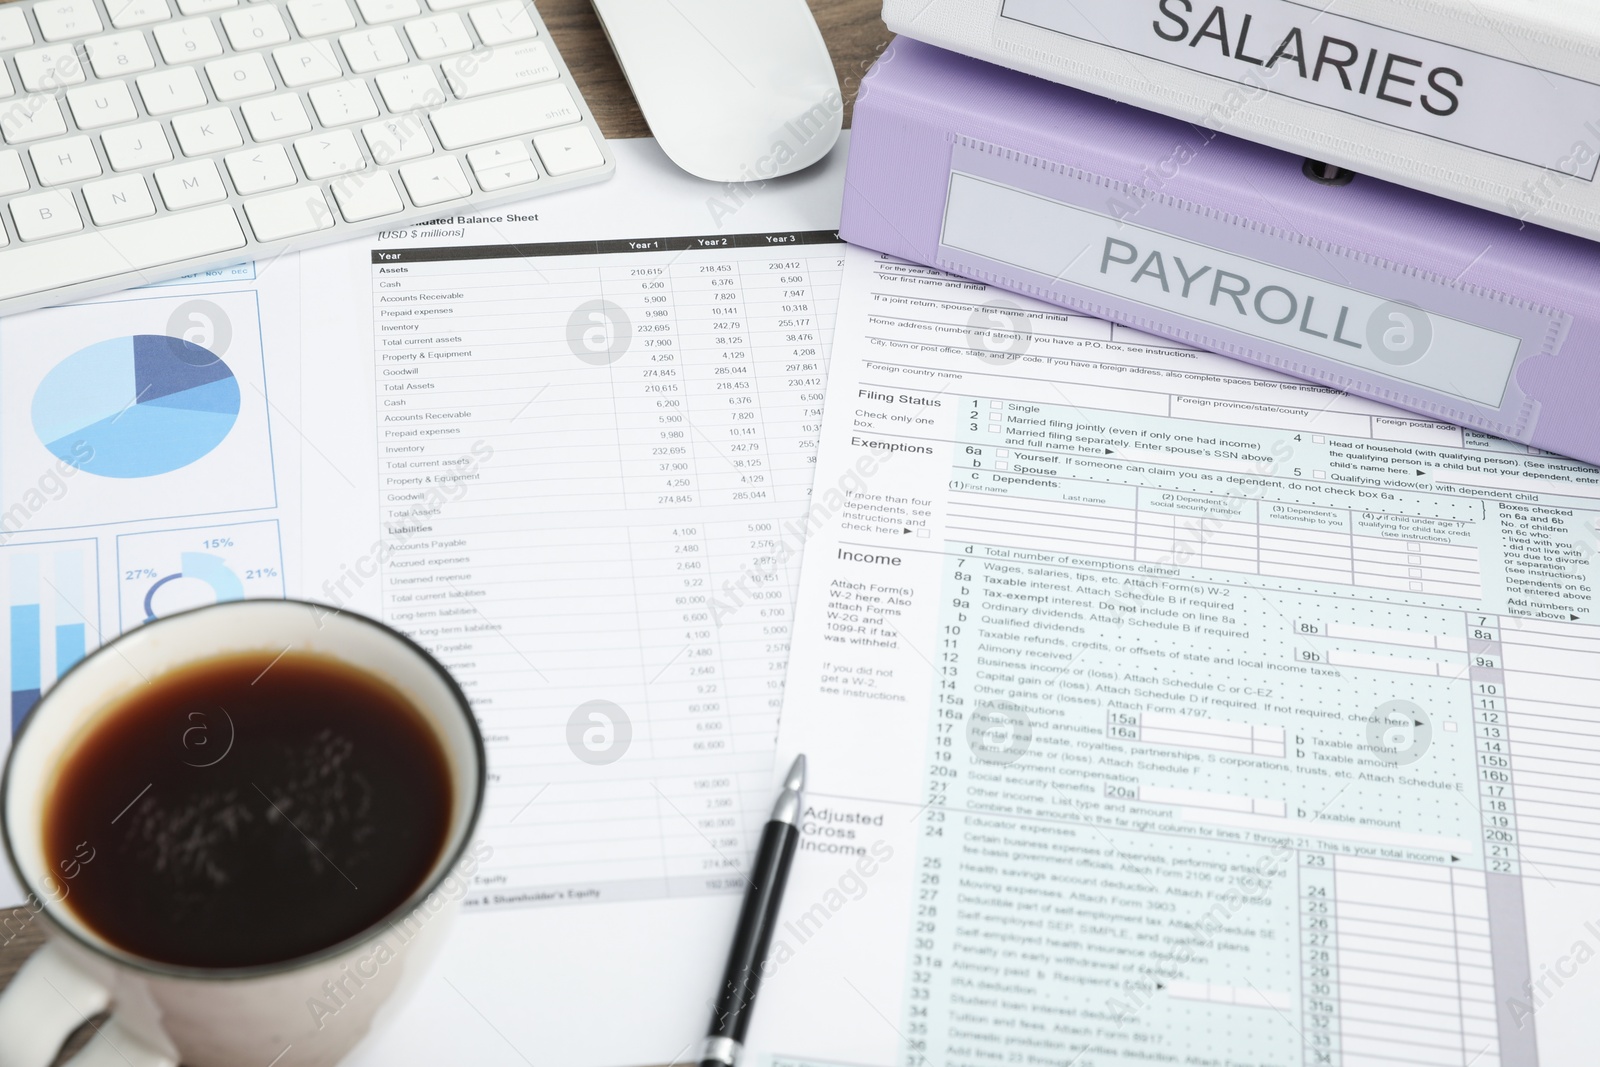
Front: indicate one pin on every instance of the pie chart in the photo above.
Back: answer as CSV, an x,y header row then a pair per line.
x,y
202,573
134,407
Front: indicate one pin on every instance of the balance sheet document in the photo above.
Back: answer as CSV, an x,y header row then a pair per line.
x,y
568,447
1162,710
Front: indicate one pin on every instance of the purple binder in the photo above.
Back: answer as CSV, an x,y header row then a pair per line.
x,y
1449,311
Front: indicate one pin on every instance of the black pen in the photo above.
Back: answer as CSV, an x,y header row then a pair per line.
x,y
730,1019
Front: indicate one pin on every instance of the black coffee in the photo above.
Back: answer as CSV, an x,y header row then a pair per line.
x,y
245,811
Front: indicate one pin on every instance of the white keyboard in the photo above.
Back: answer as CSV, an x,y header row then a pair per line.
x,y
144,139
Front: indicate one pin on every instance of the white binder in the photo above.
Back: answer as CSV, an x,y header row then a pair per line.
x,y
1494,103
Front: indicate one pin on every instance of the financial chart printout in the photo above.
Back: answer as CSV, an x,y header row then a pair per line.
x,y
1163,710
147,466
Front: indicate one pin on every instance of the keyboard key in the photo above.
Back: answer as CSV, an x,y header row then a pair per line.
x,y
126,14
368,197
236,77
327,154
494,155
167,91
190,184
288,214
433,181
120,199
119,53
60,19
47,214
68,160
387,10
503,165
30,119
14,32
373,49
101,104
501,117
6,88
275,117
204,132
506,67
410,88
136,246
13,179
502,23
44,70
190,39
566,151
306,64
261,170
132,147
342,102
448,5
494,179
205,7
255,26
441,35
396,140
313,18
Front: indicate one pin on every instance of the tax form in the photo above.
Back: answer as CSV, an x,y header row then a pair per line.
x,y
569,449
1163,710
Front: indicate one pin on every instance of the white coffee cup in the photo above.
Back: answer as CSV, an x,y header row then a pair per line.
x,y
305,1012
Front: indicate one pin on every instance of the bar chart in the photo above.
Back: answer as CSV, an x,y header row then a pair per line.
x,y
53,609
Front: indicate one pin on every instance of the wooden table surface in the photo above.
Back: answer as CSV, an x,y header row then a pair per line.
x,y
854,34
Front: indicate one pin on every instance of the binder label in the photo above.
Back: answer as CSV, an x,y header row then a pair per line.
x,y
1225,293
1299,50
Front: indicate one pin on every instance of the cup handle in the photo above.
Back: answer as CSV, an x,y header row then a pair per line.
x,y
115,1046
49,998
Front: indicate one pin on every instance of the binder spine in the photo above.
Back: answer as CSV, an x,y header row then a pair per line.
x,y
1047,192
1494,105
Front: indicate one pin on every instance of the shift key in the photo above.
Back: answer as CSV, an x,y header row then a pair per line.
x,y
512,114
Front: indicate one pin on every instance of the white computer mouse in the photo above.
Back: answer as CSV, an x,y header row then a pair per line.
x,y
734,90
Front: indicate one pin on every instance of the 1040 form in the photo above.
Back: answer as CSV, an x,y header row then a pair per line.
x,y
1168,711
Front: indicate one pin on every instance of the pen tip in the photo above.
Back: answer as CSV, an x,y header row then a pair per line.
x,y
797,774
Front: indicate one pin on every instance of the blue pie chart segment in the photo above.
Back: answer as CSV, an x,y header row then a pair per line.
x,y
202,566
133,407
